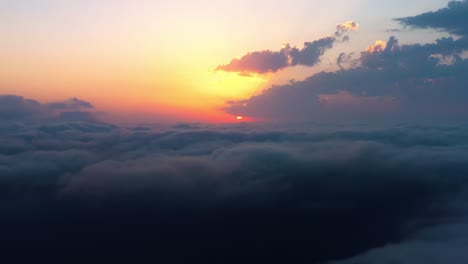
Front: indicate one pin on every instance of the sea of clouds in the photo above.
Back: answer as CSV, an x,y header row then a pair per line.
x,y
250,193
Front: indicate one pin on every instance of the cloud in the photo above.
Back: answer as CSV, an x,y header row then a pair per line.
x,y
70,104
289,193
379,46
444,243
451,19
19,109
344,59
388,81
272,192
344,28
423,81
13,107
273,61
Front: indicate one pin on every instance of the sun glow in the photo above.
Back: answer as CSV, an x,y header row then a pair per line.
x,y
228,86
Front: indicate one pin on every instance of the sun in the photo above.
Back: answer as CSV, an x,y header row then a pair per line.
x,y
239,118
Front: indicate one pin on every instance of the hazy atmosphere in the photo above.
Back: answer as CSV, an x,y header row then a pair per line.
x,y
234,131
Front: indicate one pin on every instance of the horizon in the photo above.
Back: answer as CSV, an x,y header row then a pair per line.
x,y
320,132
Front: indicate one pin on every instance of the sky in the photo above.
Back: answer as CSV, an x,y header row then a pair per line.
x,y
319,132
157,58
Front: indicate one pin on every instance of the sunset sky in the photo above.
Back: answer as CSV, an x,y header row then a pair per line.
x,y
234,131
158,58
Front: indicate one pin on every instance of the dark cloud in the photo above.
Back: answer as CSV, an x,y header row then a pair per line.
x,y
273,61
345,59
13,107
441,244
392,81
393,30
75,189
191,192
17,108
451,19
389,81
70,104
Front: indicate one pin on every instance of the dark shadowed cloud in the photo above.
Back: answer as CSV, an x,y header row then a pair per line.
x,y
273,61
71,104
81,191
19,109
451,19
271,192
389,81
441,243
13,107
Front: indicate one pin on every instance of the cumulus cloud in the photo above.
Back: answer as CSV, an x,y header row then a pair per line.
x,y
379,46
273,61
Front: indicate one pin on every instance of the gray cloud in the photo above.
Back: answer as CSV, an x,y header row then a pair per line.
x,y
70,104
19,109
302,193
346,60
389,81
13,107
393,81
451,19
444,243
273,61
342,190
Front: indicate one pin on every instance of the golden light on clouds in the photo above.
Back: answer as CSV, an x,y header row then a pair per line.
x,y
348,26
379,46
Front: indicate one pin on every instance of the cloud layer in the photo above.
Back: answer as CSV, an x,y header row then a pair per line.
x,y
78,190
303,194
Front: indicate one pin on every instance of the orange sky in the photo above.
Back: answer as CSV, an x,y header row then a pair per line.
x,y
156,57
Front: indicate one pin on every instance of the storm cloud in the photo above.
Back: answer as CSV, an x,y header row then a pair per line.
x,y
272,61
